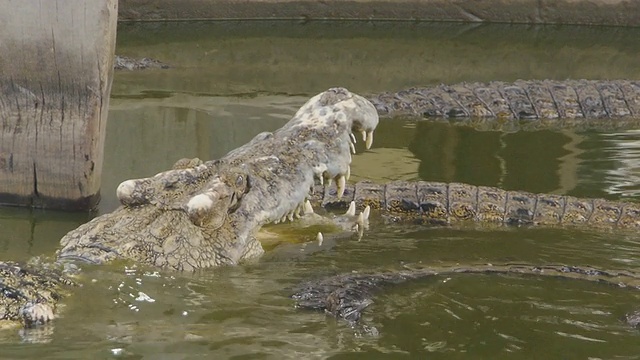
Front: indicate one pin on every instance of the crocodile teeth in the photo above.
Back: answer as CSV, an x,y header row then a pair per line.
x,y
321,179
307,209
341,182
290,215
348,174
369,140
366,212
284,218
353,137
320,238
364,135
353,147
352,209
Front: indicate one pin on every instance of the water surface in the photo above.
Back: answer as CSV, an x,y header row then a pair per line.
x,y
231,81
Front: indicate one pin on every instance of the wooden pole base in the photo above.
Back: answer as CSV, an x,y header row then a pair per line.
x,y
55,79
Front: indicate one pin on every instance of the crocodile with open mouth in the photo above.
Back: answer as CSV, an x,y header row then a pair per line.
x,y
205,214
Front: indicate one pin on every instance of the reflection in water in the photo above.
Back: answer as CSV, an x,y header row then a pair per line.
x,y
536,161
227,58
624,178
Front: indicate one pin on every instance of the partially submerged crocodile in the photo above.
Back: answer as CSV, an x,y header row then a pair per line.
x,y
30,294
128,63
204,214
207,214
346,296
523,100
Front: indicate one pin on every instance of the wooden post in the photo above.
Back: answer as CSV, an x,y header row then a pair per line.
x,y
56,67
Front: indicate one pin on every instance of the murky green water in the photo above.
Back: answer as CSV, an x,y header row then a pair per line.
x,y
232,81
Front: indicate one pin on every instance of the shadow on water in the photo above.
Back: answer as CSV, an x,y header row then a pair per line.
x,y
232,80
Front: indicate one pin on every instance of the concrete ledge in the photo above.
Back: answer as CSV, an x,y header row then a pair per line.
x,y
588,12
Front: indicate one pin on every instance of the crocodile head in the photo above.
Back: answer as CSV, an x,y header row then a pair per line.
x,y
199,215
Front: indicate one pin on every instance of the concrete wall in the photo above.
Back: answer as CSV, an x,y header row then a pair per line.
x,y
592,12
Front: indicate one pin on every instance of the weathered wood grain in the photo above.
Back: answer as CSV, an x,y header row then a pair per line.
x,y
55,79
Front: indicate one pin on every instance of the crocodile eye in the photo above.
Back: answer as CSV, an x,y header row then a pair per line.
x,y
240,181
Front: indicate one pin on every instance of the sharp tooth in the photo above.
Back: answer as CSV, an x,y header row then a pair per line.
x,y
277,222
348,174
321,179
341,182
353,137
290,216
353,147
320,238
366,212
296,212
364,135
352,209
369,140
308,209
329,182
350,158
284,218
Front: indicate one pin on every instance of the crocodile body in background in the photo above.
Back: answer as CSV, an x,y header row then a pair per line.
x,y
345,296
522,100
420,202
425,202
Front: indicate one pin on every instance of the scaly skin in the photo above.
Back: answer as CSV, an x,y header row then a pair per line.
x,y
29,296
201,215
425,202
551,100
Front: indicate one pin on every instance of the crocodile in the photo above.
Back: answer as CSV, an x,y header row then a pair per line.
x,y
423,202
346,296
29,294
128,63
204,214
525,100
